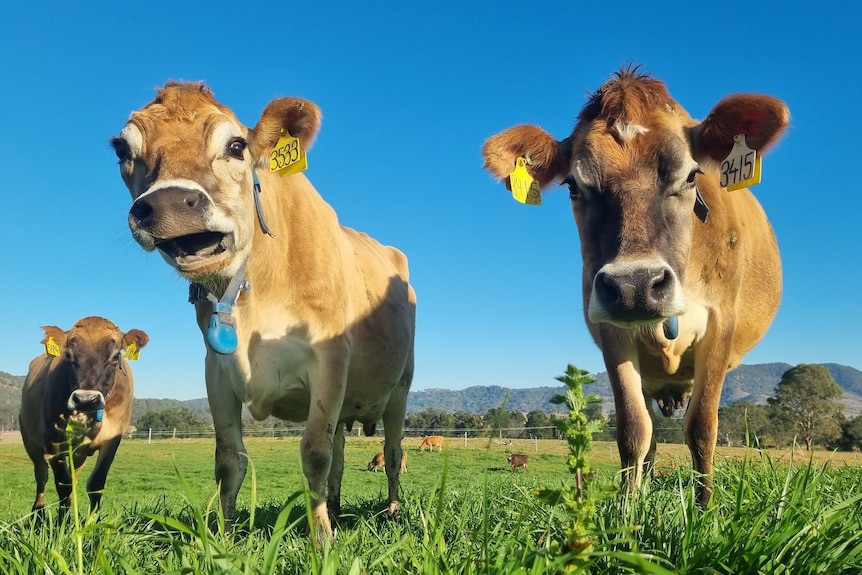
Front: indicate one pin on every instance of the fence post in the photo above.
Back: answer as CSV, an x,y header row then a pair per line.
x,y
175,433
465,439
536,437
150,437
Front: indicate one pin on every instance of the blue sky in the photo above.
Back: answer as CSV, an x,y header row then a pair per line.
x,y
409,92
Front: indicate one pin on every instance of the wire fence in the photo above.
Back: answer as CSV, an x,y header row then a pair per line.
x,y
503,433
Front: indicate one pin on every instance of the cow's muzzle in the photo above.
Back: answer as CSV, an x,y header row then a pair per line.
x,y
85,401
635,293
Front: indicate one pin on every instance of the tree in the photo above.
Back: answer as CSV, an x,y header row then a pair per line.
x,y
510,422
807,397
539,419
851,435
744,423
464,420
179,418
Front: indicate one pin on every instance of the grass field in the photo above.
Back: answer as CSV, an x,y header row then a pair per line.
x,y
465,512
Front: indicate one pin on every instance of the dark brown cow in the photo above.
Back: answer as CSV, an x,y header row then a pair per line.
x,y
517,460
673,301
79,392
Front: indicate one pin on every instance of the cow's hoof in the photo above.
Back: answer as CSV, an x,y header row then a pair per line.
x,y
394,510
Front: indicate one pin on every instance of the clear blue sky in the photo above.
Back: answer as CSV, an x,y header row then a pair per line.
x,y
409,92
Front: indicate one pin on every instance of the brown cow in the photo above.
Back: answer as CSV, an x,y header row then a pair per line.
x,y
517,460
78,397
673,299
379,461
430,442
302,318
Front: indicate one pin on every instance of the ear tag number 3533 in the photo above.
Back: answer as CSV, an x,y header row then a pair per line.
x,y
741,168
524,187
288,156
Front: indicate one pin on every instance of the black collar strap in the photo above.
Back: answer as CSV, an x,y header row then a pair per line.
x,y
256,193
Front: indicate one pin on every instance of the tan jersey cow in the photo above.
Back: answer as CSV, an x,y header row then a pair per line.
x,y
83,383
324,332
681,277
430,442
379,460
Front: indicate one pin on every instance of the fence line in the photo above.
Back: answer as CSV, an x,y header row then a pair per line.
x,y
283,432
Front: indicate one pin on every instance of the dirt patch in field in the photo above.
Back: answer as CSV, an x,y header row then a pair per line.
x,y
10,437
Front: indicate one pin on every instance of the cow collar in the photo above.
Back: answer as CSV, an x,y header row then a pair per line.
x,y
259,206
221,333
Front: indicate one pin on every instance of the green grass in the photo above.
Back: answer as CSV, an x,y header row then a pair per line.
x,y
464,512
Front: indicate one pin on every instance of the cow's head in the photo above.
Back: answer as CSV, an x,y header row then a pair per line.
x,y
188,164
90,355
633,165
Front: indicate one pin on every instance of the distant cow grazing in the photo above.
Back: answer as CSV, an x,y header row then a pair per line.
x,y
430,442
681,277
517,460
379,461
82,382
303,319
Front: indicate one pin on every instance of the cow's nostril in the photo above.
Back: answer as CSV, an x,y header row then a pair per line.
x,y
193,200
142,212
608,288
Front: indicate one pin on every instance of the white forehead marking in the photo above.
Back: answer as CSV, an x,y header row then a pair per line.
x,y
133,137
628,130
179,183
223,133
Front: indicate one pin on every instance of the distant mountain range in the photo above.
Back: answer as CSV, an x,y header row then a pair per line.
x,y
752,383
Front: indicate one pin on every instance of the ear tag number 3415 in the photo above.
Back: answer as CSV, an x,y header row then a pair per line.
x,y
524,186
288,156
741,168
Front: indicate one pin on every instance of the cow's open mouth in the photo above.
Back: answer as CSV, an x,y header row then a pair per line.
x,y
195,251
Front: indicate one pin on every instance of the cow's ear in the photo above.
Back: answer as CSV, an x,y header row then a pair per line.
x,y
301,118
761,119
546,158
139,338
55,333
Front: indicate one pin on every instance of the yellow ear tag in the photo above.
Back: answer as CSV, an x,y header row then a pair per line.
x,y
51,347
524,187
288,156
741,168
132,351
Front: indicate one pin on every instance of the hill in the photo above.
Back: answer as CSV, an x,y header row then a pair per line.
x,y
752,383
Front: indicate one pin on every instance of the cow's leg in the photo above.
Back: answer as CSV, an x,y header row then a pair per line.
x,y
231,460
40,473
328,383
63,483
336,471
634,426
393,424
96,482
701,418
649,461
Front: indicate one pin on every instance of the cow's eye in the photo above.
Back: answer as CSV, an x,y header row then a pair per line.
x,y
236,147
575,192
692,177
121,149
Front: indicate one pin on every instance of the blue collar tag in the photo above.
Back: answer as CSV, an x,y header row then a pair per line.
x,y
671,327
221,334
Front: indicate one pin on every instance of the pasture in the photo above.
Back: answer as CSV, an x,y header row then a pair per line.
x,y
465,511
